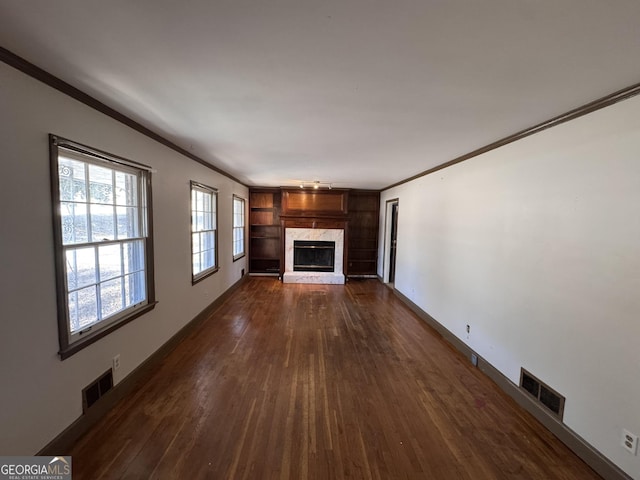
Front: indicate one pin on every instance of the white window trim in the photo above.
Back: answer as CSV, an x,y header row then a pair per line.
x,y
244,227
196,186
71,343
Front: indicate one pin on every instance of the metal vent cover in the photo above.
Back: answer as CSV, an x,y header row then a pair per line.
x,y
543,393
96,389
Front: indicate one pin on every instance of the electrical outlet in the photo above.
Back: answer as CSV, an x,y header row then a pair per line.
x,y
474,359
116,362
468,329
629,442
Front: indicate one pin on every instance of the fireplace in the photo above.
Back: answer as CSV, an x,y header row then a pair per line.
x,y
313,256
322,265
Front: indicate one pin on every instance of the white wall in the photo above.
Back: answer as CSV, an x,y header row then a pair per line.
x,y
40,394
536,245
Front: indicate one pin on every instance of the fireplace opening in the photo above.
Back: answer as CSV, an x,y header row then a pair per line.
x,y
313,256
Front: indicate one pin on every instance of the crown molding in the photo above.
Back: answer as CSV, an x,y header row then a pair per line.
x,y
45,77
590,107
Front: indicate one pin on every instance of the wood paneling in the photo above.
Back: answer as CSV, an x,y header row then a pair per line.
x,y
314,203
261,200
301,222
261,218
319,382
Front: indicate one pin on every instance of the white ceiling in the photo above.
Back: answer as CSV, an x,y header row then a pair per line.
x,y
358,93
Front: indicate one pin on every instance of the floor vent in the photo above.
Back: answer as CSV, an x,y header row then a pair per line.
x,y
96,389
547,396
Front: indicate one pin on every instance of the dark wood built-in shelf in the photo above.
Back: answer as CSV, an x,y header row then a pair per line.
x,y
264,234
364,211
273,210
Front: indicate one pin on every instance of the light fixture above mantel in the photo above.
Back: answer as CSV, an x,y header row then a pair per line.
x,y
316,184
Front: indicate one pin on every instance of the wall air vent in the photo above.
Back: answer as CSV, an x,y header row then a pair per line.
x,y
545,395
96,389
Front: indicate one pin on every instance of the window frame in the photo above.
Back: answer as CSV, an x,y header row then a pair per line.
x,y
194,186
71,343
233,227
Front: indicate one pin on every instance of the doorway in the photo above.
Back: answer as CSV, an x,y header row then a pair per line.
x,y
390,241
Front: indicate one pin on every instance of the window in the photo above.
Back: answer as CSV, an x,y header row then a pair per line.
x,y
204,236
238,227
103,243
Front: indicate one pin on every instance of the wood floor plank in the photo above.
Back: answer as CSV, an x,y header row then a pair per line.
x,y
319,382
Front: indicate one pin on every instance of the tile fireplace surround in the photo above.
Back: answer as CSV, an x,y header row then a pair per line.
x,y
317,234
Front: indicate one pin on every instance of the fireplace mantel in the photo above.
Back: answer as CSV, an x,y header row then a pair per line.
x,y
313,223
319,214
336,235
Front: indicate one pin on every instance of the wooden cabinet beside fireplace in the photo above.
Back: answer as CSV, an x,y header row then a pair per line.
x,y
363,233
272,210
264,233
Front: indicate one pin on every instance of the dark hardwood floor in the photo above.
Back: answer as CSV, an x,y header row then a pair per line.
x,y
322,382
